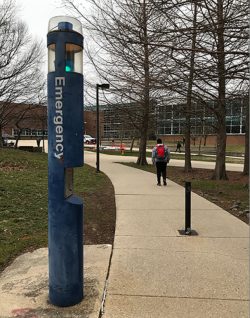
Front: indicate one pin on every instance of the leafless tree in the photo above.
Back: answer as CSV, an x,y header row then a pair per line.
x,y
195,49
218,48
123,32
226,24
21,79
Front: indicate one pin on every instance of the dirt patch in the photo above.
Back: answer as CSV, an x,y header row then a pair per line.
x,y
9,167
100,215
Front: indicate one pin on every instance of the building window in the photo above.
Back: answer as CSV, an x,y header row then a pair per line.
x,y
171,118
30,132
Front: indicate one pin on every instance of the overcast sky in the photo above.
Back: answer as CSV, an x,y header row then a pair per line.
x,y
37,14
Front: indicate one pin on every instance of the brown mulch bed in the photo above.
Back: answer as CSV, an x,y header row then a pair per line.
x,y
100,215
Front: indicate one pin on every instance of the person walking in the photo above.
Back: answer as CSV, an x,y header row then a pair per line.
x,y
160,158
178,146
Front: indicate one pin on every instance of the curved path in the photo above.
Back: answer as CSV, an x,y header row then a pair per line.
x,y
157,273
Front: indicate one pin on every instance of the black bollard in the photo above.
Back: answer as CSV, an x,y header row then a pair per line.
x,y
187,230
187,208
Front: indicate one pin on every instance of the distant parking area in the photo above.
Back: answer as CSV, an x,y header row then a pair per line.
x,y
8,142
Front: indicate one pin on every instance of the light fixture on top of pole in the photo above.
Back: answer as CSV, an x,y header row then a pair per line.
x,y
102,86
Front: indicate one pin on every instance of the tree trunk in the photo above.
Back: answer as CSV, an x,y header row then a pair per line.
x,y
199,149
18,136
1,137
246,161
205,140
142,159
188,164
220,166
132,144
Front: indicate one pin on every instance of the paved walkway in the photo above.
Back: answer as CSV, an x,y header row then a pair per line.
x,y
154,271
157,273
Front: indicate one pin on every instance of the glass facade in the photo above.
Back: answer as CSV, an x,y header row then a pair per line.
x,y
168,118
171,119
118,122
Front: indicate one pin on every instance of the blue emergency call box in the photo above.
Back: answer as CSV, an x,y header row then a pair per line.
x,y
65,152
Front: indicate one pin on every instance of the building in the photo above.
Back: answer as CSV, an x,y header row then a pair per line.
x,y
27,121
171,121
90,126
30,121
167,121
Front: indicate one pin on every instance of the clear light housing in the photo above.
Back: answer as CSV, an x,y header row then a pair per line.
x,y
64,23
73,52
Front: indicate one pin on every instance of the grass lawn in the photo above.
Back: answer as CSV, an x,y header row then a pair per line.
x,y
23,203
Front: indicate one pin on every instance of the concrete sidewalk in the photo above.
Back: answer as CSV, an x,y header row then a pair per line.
x,y
24,286
154,271
157,273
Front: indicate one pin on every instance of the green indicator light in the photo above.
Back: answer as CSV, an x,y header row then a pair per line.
x,y
67,68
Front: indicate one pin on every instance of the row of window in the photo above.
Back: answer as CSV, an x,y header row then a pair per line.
x,y
171,120
177,129
30,132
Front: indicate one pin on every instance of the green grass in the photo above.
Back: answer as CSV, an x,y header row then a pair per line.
x,y
23,202
179,156
24,205
239,149
236,148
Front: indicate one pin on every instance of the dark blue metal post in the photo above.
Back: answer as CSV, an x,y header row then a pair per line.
x,y
65,151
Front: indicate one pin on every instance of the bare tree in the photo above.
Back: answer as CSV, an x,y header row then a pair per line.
x,y
188,108
21,79
200,53
219,56
123,32
18,116
226,23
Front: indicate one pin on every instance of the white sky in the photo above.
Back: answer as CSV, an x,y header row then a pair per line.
x,y
37,14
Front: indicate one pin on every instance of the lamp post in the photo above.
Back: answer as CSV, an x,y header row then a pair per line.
x,y
102,86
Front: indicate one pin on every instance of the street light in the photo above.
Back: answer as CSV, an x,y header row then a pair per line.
x,y
102,86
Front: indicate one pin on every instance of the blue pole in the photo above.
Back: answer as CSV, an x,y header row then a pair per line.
x,y
65,151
